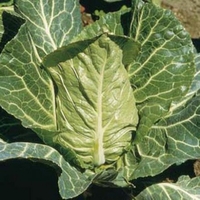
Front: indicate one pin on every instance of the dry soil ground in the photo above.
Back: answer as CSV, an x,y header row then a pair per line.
x,y
188,12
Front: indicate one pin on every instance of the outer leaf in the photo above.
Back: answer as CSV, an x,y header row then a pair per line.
x,y
49,24
26,91
94,93
71,182
185,188
115,22
196,81
174,139
164,69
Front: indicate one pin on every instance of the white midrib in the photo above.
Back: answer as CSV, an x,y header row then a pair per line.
x,y
99,157
47,28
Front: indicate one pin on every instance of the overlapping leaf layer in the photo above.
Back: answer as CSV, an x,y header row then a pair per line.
x,y
121,97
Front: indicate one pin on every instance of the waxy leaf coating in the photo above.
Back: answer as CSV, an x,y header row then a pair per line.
x,y
121,99
96,110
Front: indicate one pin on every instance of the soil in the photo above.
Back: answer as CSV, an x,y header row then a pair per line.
x,y
188,12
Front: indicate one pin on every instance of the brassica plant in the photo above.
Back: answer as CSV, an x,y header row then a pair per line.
x,y
112,102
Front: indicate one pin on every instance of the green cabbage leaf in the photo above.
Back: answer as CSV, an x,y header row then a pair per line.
x,y
184,188
112,102
71,182
93,91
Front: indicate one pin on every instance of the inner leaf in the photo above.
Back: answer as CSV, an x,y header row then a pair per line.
x,y
96,110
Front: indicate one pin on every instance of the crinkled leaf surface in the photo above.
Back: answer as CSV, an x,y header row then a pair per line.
x,y
185,188
96,109
50,24
161,75
196,80
71,182
27,91
174,139
164,69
